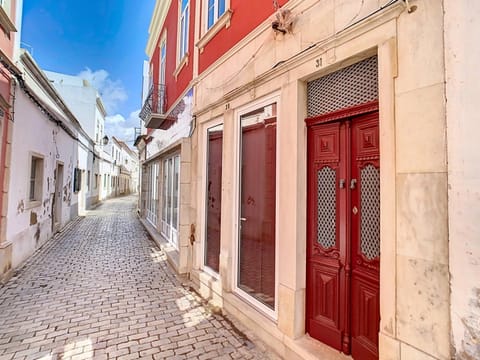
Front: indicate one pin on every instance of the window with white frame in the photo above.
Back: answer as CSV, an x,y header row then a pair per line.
x,y
215,9
171,199
163,62
36,179
183,25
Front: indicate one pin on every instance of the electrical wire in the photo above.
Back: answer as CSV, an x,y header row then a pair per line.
x,y
348,26
233,76
352,22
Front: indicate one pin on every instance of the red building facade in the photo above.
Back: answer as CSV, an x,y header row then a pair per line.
x,y
239,19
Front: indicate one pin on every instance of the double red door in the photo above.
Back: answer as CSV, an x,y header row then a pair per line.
x,y
343,250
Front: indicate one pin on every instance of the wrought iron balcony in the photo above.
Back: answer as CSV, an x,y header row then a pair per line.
x,y
153,111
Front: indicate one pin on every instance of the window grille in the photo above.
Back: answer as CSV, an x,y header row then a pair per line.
x,y
353,85
370,212
327,202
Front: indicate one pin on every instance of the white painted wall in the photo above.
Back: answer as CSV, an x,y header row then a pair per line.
x,y
83,164
162,139
462,58
33,132
81,98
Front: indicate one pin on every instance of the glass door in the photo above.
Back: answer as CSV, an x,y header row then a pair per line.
x,y
256,243
214,197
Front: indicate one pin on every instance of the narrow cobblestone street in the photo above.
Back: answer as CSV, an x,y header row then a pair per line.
x,y
102,289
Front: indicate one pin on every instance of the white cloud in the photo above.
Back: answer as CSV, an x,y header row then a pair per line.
x,y
112,91
122,128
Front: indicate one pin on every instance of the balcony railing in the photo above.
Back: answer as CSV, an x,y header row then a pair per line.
x,y
155,105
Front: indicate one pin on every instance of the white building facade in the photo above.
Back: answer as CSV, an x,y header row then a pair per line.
x,y
85,102
50,159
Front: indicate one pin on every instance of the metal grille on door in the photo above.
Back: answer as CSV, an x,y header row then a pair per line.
x,y
370,205
326,193
353,85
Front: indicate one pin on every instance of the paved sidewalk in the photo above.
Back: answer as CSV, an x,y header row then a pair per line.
x,y
102,290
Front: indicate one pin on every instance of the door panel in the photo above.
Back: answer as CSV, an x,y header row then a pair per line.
x,y
326,252
344,235
365,167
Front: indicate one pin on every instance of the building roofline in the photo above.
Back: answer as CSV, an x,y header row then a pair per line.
x,y
46,85
156,25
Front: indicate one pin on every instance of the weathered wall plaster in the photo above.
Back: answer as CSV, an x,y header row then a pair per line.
x,y
462,56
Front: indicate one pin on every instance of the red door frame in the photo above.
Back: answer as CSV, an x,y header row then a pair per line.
x,y
339,337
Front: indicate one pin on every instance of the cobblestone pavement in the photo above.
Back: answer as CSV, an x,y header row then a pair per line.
x,y
102,290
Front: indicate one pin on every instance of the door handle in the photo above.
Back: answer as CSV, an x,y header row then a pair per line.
x,y
243,219
342,183
353,183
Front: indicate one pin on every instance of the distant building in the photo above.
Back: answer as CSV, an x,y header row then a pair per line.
x,y
125,160
165,147
86,103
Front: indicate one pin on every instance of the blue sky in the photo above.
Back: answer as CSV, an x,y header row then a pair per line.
x,y
103,41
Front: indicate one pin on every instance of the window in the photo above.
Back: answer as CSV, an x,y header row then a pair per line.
x,y
184,20
5,17
36,179
150,76
216,16
96,181
215,9
88,180
163,63
214,197
170,200
77,180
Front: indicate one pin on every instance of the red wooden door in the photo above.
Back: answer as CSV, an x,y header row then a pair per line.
x,y
365,195
343,235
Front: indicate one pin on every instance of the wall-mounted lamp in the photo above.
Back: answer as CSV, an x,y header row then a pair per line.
x,y
105,140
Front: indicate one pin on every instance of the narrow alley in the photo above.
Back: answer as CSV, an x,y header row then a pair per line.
x,y
102,289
